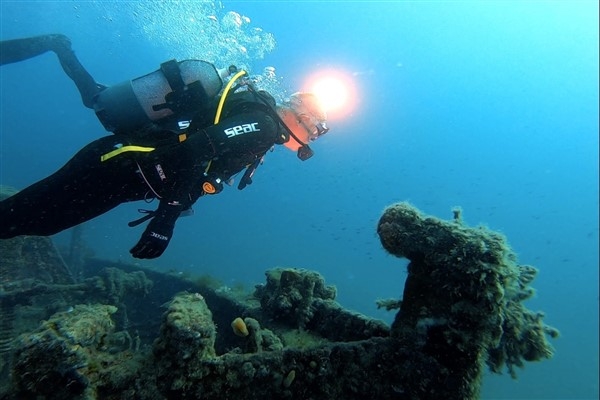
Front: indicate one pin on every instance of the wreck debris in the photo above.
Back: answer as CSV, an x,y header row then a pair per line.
x,y
463,300
462,309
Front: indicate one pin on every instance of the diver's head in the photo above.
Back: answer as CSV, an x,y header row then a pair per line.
x,y
305,117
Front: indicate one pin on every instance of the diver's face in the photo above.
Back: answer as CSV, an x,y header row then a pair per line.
x,y
301,127
309,123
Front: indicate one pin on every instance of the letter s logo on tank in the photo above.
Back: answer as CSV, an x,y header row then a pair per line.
x,y
241,129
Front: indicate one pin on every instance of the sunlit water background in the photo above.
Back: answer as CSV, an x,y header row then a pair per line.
x,y
492,106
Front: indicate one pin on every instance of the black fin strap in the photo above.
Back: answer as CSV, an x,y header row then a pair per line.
x,y
149,214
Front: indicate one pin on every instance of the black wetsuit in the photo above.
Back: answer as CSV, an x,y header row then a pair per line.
x,y
174,171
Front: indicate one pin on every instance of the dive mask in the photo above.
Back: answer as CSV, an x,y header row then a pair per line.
x,y
314,127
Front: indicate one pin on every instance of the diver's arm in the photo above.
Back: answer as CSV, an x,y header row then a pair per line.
x,y
240,134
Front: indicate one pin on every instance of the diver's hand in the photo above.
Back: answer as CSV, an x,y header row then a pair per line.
x,y
151,245
158,233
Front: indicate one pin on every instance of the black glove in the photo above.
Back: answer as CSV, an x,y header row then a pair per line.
x,y
158,233
151,245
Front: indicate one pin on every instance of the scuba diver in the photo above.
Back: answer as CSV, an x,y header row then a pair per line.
x,y
145,160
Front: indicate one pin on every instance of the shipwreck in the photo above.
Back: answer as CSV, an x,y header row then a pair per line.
x,y
113,331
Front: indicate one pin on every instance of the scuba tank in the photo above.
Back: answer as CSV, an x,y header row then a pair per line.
x,y
162,99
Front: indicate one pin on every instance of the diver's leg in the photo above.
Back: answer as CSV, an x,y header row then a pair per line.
x,y
16,50
81,190
87,86
21,49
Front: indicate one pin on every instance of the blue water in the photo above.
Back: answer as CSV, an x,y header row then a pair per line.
x,y
492,106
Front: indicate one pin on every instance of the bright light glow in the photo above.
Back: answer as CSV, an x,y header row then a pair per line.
x,y
331,92
335,90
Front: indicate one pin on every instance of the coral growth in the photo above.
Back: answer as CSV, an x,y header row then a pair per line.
x,y
260,339
60,359
289,294
473,312
187,337
114,284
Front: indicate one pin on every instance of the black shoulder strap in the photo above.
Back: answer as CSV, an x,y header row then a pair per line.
x,y
173,74
182,96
